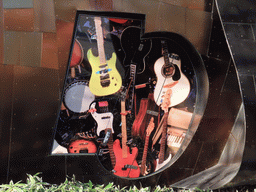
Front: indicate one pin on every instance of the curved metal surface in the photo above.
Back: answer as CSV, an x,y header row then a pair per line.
x,y
238,22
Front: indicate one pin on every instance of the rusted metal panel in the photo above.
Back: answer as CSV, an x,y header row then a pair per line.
x,y
199,35
174,21
44,16
12,4
19,19
66,9
202,5
12,42
50,51
31,47
104,5
64,38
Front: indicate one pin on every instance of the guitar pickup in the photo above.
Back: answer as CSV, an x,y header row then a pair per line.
x,y
103,77
154,113
105,83
103,71
106,117
129,167
103,66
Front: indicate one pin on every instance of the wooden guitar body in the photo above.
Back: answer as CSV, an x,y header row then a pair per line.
x,y
125,167
77,54
180,88
146,111
105,79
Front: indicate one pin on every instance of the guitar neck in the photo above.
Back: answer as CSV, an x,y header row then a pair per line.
x,y
111,151
124,131
144,157
165,52
163,138
100,40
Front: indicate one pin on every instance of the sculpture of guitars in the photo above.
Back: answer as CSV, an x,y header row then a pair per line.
x,y
150,128
126,164
168,72
103,117
105,78
160,162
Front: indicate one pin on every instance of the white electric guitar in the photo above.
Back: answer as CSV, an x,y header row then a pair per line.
x,y
160,162
169,75
105,119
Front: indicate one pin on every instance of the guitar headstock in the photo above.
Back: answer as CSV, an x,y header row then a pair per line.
x,y
150,127
166,100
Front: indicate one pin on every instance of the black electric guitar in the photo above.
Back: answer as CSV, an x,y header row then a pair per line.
x,y
135,48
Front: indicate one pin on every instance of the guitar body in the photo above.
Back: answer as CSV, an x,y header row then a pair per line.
x,y
104,120
104,81
160,165
180,88
146,111
77,54
125,167
82,146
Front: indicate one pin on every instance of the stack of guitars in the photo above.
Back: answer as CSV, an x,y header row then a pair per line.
x,y
132,136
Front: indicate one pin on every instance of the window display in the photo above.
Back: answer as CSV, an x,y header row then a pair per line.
x,y
127,99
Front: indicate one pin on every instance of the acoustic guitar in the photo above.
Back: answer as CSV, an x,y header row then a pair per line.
x,y
169,75
105,78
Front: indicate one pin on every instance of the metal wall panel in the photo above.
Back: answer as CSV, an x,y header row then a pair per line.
x,y
106,5
150,9
31,48
64,38
50,51
199,35
35,105
66,10
12,42
218,47
237,11
1,32
44,16
19,19
241,37
6,93
174,21
12,4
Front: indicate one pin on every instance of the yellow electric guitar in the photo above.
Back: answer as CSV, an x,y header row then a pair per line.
x,y
105,78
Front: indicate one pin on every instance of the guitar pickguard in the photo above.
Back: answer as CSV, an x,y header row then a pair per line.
x,y
104,120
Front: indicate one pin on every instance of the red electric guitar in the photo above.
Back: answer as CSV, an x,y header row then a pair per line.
x,y
126,164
